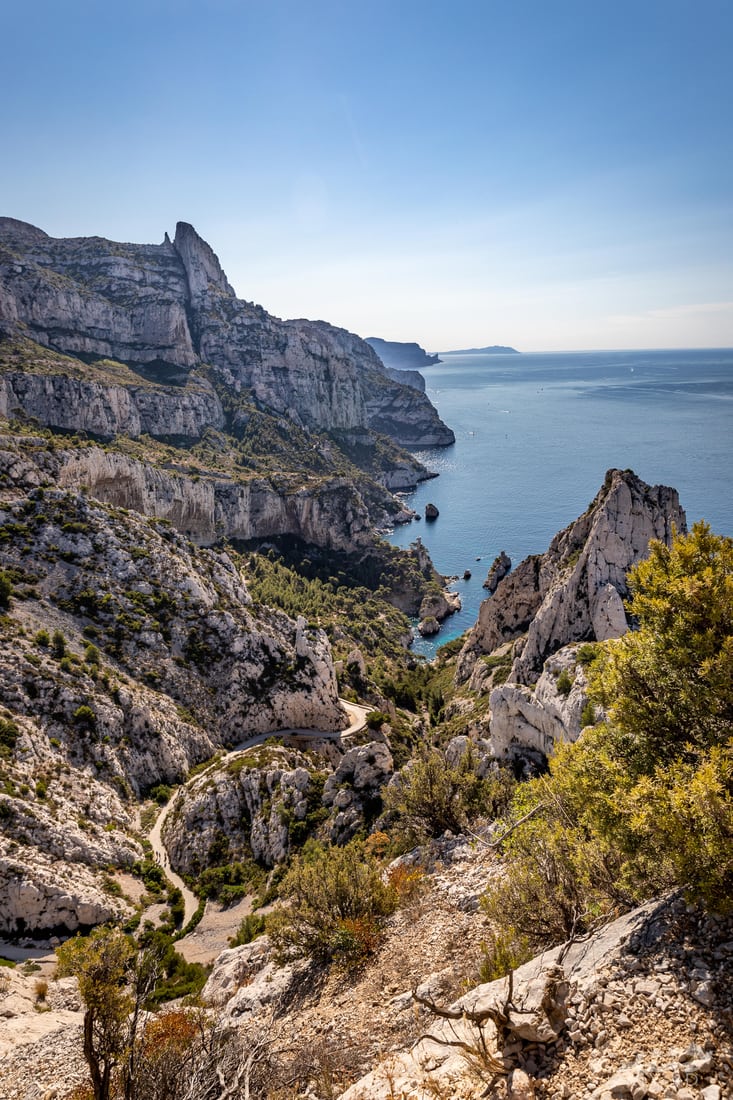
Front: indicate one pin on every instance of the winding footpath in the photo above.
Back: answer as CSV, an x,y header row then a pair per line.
x,y
357,715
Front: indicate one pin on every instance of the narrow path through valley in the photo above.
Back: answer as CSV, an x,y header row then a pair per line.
x,y
357,715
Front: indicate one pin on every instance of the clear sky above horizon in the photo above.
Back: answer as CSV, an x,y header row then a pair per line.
x,y
546,175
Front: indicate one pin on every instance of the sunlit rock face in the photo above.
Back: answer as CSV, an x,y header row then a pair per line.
x,y
575,591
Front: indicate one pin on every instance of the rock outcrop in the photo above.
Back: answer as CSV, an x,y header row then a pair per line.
x,y
246,806
106,410
353,791
411,378
630,1013
526,722
166,309
500,566
575,591
261,802
204,506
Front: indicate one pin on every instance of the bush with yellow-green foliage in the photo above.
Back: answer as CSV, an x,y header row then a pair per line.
x,y
433,795
338,902
643,802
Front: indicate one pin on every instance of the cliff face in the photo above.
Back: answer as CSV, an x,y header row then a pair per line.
x,y
575,591
106,410
330,513
168,308
95,297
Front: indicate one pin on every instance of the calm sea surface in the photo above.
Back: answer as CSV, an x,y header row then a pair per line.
x,y
535,434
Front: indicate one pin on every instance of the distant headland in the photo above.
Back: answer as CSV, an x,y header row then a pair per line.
x,y
494,349
401,356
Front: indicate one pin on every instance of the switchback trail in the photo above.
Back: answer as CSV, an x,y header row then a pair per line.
x,y
357,715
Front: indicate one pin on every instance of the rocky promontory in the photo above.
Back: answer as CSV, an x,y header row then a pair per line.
x,y
400,356
575,591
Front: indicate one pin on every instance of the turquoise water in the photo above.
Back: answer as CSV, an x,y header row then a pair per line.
x,y
535,434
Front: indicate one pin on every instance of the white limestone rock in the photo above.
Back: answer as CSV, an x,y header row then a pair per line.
x,y
247,803
233,969
523,719
355,786
575,591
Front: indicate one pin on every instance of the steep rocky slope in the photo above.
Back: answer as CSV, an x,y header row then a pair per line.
x,y
128,655
640,1010
165,310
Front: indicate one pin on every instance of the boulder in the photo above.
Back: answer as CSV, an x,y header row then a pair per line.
x,y
431,512
428,627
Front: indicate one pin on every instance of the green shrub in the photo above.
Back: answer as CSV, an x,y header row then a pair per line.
x,y
587,653
6,590
338,902
505,950
375,719
43,639
85,717
161,793
587,715
58,644
176,906
564,682
152,875
9,734
432,796
252,926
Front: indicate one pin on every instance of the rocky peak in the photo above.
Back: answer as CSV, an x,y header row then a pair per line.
x,y
575,591
171,306
203,269
15,232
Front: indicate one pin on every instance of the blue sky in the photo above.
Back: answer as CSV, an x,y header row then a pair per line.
x,y
551,175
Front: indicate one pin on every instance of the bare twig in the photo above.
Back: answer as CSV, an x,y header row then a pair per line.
x,y
507,832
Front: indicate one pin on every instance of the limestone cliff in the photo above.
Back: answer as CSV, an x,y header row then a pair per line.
x,y
265,801
204,506
165,309
531,722
575,591
106,409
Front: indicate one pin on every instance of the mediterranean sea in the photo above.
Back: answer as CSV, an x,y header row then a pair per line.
x,y
535,434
